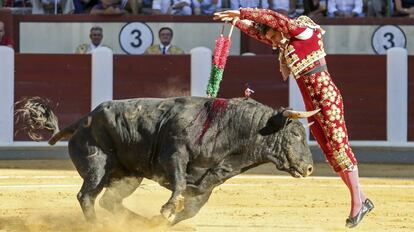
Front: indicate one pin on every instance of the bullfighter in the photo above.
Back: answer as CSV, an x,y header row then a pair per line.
x,y
302,55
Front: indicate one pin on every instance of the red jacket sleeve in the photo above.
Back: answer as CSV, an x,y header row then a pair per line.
x,y
250,28
275,20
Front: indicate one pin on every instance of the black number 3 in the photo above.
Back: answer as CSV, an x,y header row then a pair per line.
x,y
390,38
137,40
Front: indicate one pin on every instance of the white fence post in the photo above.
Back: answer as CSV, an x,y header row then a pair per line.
x,y
296,101
102,76
201,58
397,95
7,94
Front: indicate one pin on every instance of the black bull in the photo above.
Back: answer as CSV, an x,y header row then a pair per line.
x,y
189,145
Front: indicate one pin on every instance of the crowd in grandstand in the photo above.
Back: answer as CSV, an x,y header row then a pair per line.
x,y
165,47
313,8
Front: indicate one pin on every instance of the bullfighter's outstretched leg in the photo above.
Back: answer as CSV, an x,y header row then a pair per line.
x,y
91,163
118,190
176,165
192,205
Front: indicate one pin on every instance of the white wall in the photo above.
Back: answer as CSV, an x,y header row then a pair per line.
x,y
65,37
47,37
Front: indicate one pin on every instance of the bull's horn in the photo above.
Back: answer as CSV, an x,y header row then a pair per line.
x,y
309,124
299,114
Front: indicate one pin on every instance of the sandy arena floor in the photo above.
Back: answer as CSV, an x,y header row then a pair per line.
x,y
45,200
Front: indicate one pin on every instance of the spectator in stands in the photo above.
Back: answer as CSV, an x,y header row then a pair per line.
x,y
96,36
314,8
84,6
5,41
172,7
109,7
376,8
345,8
404,7
236,4
15,3
206,7
52,7
280,6
165,47
141,6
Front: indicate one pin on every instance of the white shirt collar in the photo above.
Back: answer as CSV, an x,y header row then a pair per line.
x,y
166,47
92,46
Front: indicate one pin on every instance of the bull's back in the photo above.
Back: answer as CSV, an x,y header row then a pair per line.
x,y
139,129
136,128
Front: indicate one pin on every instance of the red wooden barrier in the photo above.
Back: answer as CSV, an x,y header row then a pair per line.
x,y
65,79
151,76
410,98
262,74
363,84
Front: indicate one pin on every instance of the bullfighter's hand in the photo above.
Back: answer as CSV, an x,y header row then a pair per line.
x,y
227,15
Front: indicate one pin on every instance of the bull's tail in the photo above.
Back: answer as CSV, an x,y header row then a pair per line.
x,y
35,115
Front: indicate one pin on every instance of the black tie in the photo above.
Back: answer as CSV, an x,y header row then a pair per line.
x,y
163,50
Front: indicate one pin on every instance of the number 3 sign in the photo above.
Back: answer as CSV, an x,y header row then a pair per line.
x,y
135,38
386,37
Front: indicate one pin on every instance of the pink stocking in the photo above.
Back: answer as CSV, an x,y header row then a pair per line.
x,y
351,179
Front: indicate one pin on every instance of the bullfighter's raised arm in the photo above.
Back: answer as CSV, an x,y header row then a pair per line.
x,y
279,22
275,20
252,29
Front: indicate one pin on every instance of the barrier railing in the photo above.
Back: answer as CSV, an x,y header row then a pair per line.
x,y
102,89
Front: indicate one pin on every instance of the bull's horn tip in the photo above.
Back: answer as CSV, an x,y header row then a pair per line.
x,y
299,114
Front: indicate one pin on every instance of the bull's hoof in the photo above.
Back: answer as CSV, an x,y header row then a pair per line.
x,y
168,213
179,204
171,208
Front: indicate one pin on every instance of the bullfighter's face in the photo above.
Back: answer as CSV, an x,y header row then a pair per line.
x,y
296,156
274,36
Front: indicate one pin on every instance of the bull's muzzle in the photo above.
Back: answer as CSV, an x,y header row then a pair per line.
x,y
309,170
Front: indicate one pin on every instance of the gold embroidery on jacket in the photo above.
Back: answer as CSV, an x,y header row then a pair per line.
x,y
291,60
292,26
289,50
308,60
268,17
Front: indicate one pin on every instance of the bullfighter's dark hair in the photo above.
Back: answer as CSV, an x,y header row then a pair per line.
x,y
262,28
166,28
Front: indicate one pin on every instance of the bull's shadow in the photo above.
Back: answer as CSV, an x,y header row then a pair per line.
x,y
189,145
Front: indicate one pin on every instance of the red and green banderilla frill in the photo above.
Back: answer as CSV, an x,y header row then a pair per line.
x,y
221,52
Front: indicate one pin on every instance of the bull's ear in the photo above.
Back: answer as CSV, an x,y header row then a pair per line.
x,y
274,124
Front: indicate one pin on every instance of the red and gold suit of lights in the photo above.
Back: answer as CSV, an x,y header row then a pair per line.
x,y
301,49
